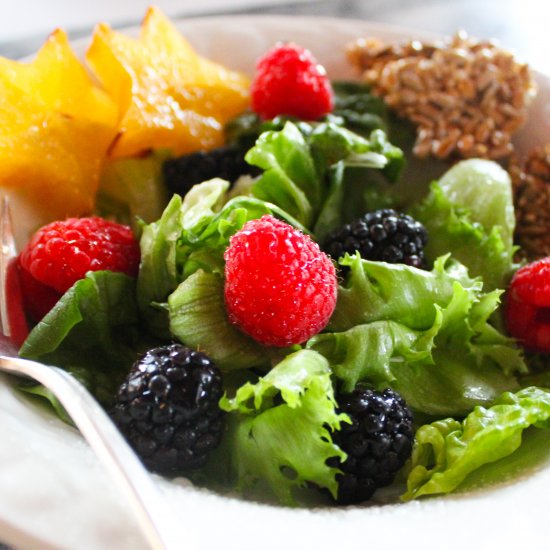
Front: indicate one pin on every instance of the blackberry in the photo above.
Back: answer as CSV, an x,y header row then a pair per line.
x,y
167,408
378,442
181,173
383,235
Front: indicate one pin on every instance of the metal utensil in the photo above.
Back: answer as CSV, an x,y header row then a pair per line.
x,y
125,468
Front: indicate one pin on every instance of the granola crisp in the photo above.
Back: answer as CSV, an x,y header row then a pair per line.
x,y
466,97
531,187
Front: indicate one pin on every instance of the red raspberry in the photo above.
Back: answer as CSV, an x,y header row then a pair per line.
x,y
38,298
528,306
279,287
289,81
61,253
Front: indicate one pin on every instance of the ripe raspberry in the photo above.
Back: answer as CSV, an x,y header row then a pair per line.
x,y
279,287
289,81
37,298
528,306
61,253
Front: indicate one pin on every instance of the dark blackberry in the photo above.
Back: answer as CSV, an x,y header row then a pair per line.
x,y
378,442
383,235
181,173
167,409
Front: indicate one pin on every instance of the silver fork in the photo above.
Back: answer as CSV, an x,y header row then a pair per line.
x,y
126,469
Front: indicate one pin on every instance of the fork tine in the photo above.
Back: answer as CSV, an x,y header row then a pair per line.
x,y
13,323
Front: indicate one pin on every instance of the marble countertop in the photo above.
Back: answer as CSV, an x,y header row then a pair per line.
x,y
517,25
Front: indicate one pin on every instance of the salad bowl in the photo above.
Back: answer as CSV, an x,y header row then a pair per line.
x,y
54,493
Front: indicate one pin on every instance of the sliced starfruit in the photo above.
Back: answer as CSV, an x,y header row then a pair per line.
x,y
57,125
169,96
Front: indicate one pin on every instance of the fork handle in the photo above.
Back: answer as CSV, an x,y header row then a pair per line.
x,y
154,517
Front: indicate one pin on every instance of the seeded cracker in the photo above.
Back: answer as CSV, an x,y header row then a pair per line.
x,y
531,186
467,97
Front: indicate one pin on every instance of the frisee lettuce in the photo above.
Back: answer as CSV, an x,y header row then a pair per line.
x,y
132,190
280,436
426,334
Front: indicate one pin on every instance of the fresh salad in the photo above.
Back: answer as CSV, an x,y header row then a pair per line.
x,y
241,270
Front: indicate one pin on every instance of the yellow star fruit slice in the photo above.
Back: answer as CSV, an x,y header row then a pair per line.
x,y
57,125
168,95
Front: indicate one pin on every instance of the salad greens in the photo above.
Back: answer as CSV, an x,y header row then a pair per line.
x,y
92,331
424,333
305,167
471,208
448,450
432,335
191,234
265,451
197,317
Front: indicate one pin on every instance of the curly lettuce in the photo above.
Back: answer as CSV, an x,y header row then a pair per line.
x,y
132,190
446,452
281,428
470,214
426,334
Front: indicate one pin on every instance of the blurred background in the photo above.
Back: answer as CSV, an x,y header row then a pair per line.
x,y
519,25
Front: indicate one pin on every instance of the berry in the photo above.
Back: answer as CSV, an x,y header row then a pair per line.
x,y
528,306
279,287
167,409
61,253
37,297
289,81
383,235
181,173
378,442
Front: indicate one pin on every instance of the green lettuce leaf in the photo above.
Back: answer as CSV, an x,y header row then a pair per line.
x,y
289,179
447,451
375,291
470,214
426,334
203,246
158,275
198,319
485,189
280,438
92,332
40,391
311,170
